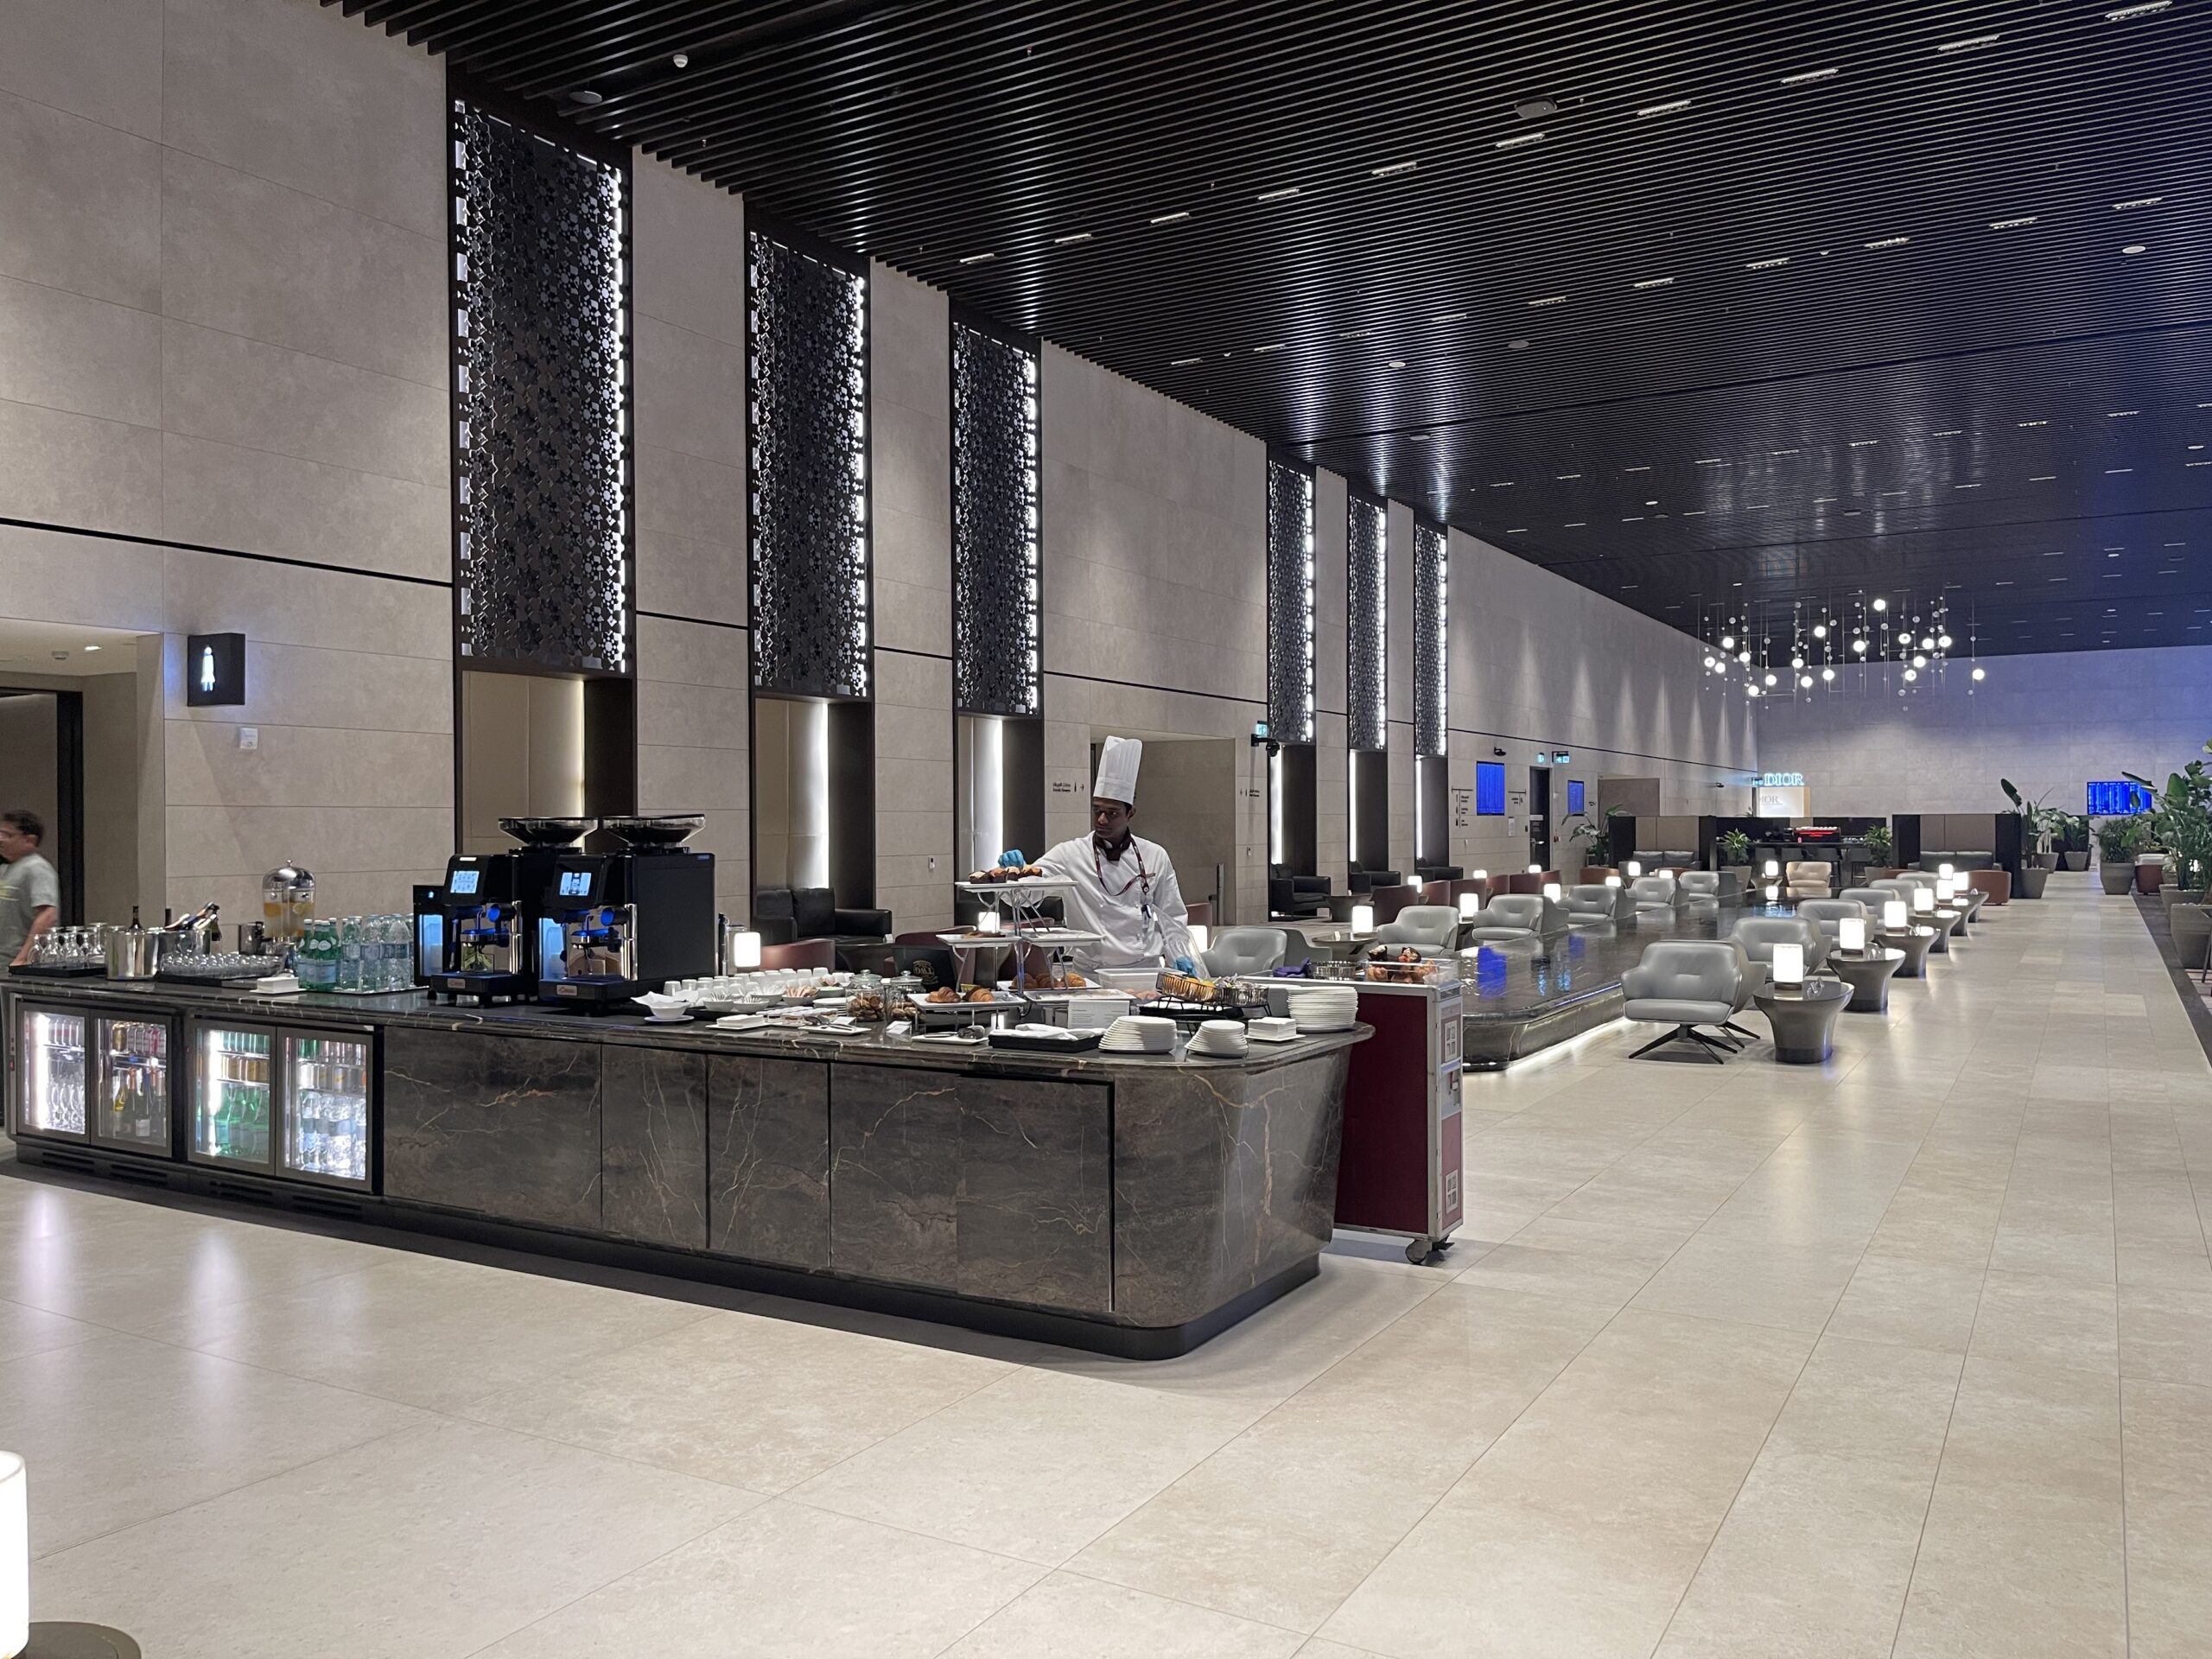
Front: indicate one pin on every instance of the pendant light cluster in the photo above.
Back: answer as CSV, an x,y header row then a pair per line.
x,y
1823,646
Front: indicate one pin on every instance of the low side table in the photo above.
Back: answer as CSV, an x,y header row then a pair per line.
x,y
1803,1019
1943,923
1341,945
1916,942
1868,974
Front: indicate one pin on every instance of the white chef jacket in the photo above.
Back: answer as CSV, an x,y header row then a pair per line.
x,y
1116,908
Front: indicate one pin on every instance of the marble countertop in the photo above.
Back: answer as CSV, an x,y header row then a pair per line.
x,y
869,1046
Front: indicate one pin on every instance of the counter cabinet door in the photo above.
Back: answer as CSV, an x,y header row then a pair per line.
x,y
54,1071
328,1087
136,1094
234,1096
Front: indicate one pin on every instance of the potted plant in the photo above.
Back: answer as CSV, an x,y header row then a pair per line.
x,y
2118,841
2073,841
2035,834
1880,847
1734,847
2181,818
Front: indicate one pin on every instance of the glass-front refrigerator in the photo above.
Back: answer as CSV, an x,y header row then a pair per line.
x,y
326,1100
93,1077
282,1100
233,1085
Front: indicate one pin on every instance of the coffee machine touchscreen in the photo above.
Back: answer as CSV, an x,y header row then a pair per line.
x,y
463,883
575,884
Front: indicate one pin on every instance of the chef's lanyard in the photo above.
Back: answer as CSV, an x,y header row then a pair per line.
x,y
1144,901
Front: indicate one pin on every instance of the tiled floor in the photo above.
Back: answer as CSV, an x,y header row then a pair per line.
x,y
1911,1353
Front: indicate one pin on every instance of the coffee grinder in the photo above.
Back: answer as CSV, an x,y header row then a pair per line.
x,y
629,921
489,908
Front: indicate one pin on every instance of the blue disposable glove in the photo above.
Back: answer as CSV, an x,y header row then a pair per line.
x,y
1012,859
1184,965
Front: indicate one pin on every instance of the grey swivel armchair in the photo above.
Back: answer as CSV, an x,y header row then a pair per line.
x,y
1826,913
1685,984
1514,916
1245,950
1590,902
1433,930
1653,891
1711,886
1758,935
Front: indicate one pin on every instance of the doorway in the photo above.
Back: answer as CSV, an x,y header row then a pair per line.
x,y
1539,817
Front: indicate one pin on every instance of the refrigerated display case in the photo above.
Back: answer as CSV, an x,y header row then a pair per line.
x,y
283,1099
90,1076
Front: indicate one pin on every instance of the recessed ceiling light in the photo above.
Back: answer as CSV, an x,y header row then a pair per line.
x,y
1282,195
1354,334
2135,247
1826,500
1392,170
1965,487
2044,478
1170,218
2148,7
1549,299
1768,264
1654,281
1972,43
2117,413
1578,524
1516,345
1949,432
2197,463
1419,437
1805,76
1635,469
585,97
1892,493
1670,107
1183,362
1069,241
1519,139
1563,477
1889,242
1535,109
1503,484
1452,316
1861,443
1693,512
1272,346
1713,461
2032,422
1397,362
1522,530
2169,544
978,258
2114,472
2011,224
1636,520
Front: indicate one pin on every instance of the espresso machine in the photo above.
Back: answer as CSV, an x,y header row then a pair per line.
x,y
490,913
629,921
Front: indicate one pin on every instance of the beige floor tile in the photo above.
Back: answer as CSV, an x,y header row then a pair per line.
x,y
1578,1532
119,1430
2036,1321
2166,1335
1817,1551
1602,1279
1070,1618
972,1472
1285,1521
429,1331
2167,1430
1753,1283
437,1540
1913,1304
758,1402
2022,1553
32,1330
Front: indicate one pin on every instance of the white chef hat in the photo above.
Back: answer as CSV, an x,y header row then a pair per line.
x,y
1117,769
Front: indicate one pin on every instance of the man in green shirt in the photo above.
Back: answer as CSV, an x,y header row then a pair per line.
x,y
30,892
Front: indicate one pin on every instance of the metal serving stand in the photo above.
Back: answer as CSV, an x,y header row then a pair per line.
x,y
1024,899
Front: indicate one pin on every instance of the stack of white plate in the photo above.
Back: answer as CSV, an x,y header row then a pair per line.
x,y
1139,1034
1222,1038
1324,1007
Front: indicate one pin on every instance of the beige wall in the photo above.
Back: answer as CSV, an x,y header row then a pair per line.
x,y
31,768
222,323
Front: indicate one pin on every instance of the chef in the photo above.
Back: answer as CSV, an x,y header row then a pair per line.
x,y
1125,888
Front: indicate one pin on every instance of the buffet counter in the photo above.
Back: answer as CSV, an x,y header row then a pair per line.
x,y
1135,1205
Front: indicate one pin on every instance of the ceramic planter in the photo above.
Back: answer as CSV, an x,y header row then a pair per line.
x,y
2115,878
2030,886
2070,860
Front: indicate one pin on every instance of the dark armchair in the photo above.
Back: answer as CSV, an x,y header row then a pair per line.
x,y
784,915
1296,895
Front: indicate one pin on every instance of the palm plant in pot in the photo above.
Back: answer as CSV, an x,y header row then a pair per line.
x,y
2073,841
2181,818
1880,846
2118,841
2035,834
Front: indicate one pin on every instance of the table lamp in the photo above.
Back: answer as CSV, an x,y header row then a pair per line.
x,y
1946,886
743,951
987,921
1773,869
1478,876
15,1555
1551,890
1536,869
1468,903
1612,880
1788,964
1946,870
1894,918
1201,935
1633,868
1923,901
1363,919
1850,934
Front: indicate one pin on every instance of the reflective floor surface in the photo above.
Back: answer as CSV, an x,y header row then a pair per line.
x,y
1909,1353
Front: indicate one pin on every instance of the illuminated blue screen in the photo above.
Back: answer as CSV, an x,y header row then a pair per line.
x,y
1489,788
2117,798
575,884
463,883
1574,795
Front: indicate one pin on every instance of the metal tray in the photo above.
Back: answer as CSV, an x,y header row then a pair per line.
x,y
60,971
1079,1043
944,1016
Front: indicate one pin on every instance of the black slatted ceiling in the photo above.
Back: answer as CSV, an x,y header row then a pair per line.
x,y
1542,314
